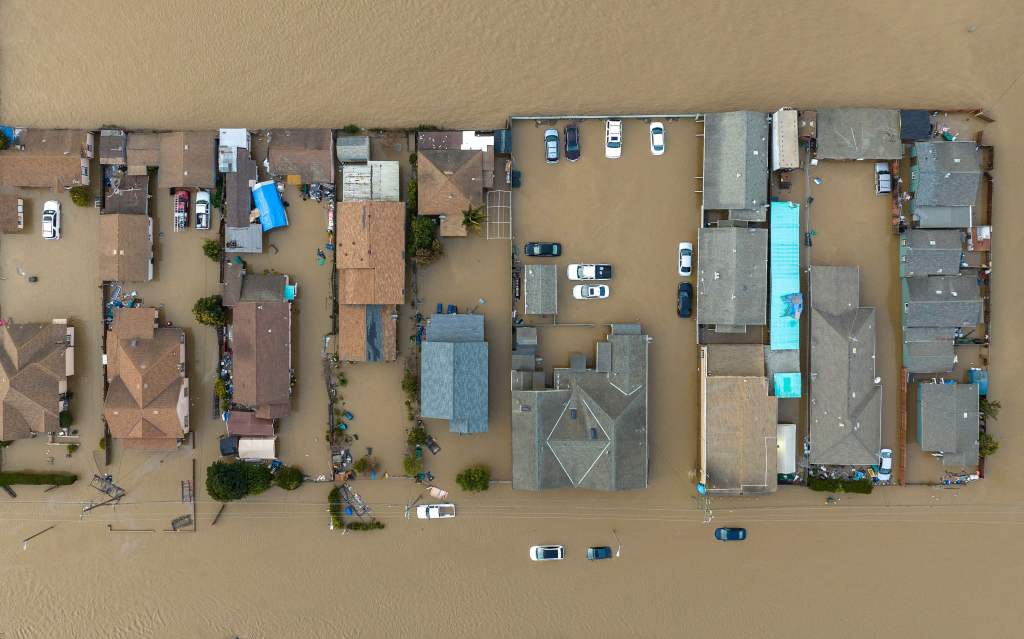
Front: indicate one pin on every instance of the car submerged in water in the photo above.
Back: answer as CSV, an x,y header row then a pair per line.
x,y
572,142
547,553
551,146
542,249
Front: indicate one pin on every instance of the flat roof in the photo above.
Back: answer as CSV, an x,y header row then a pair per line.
x,y
736,161
732,276
859,134
540,289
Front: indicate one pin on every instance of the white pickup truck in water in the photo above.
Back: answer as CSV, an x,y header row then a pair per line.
x,y
435,511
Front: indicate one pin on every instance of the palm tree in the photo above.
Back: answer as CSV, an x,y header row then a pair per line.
x,y
473,218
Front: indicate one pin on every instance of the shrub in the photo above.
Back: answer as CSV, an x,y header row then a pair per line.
x,y
209,311
411,202
424,232
426,127
71,449
221,389
413,158
30,478
65,419
4,141
362,465
365,525
412,464
334,506
218,193
987,445
228,481
411,385
990,409
351,129
6,442
81,195
211,249
474,479
289,477
103,443
417,436
862,486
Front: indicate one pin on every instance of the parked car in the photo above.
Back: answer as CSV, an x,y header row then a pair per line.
x,y
203,210
551,146
51,220
684,299
599,552
685,259
578,272
435,511
547,553
657,138
613,139
584,292
730,534
181,210
542,249
572,142
883,178
885,465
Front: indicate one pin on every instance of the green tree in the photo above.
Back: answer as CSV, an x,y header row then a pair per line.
x,y
65,419
417,436
474,479
987,445
211,249
225,481
990,409
351,129
362,465
473,218
289,477
257,477
411,384
81,195
210,311
411,201
412,464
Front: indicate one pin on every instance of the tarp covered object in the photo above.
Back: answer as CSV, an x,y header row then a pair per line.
x,y
271,208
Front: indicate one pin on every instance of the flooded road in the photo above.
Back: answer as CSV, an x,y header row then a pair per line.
x,y
270,567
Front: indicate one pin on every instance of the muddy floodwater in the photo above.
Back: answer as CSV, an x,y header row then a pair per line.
x,y
910,561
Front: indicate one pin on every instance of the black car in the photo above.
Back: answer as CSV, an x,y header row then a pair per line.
x,y
684,303
572,142
542,249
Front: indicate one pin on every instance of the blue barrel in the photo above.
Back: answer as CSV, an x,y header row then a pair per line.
x,y
503,141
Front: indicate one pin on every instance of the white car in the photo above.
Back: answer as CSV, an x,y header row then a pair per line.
x,y
883,178
547,553
885,465
435,511
685,259
203,210
577,272
657,138
51,220
584,292
613,139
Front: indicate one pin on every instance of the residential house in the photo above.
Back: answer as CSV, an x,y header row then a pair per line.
x,y
241,286
846,396
113,147
374,180
859,134
948,418
126,247
241,233
736,164
370,256
732,278
229,142
590,429
188,159
147,402
47,158
453,372
926,252
35,363
941,301
453,168
261,347
944,181
126,194
302,156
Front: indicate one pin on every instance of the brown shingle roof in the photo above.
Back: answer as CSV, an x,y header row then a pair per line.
x,y
371,252
307,153
261,342
39,171
9,214
143,151
247,424
449,181
130,196
113,147
187,159
32,369
126,247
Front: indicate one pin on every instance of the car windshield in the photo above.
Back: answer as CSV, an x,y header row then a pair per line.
x,y
657,131
613,144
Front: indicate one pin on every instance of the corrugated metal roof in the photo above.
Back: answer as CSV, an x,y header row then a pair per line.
x,y
371,181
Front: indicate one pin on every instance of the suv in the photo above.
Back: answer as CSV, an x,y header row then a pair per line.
x,y
551,146
684,299
584,292
51,220
203,210
613,139
572,142
542,249
547,553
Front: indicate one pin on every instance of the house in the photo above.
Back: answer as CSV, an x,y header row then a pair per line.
x,y
859,134
590,429
915,125
948,418
785,140
302,156
113,147
242,286
12,214
929,349
47,158
944,181
35,363
453,168
229,142
926,252
126,194
541,290
188,159
353,148
941,301
143,151
147,401
736,164
261,345
245,423
126,247
370,181
732,278
738,421
453,372
846,396
241,233
370,257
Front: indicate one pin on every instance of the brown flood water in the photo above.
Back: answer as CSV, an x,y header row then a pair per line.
x,y
903,561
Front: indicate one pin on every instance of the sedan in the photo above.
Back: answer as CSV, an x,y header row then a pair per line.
x,y
547,553
551,146
730,534
885,465
685,259
684,299
599,552
542,249
657,138
51,220
584,292
578,272
203,210
572,142
613,139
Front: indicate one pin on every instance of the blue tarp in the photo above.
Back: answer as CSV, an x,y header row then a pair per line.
x,y
268,201
786,299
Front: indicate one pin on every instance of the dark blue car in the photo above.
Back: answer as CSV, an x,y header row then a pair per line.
x,y
599,552
684,299
542,249
730,534
572,142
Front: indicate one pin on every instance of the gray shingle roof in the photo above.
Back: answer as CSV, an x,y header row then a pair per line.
x,y
460,327
732,271
948,422
941,301
857,134
541,289
355,148
453,372
846,403
928,350
946,173
941,217
930,252
736,161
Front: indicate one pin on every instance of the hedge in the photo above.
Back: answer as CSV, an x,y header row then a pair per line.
x,y
862,486
29,478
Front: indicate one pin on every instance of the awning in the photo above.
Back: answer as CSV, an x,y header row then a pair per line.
x,y
257,448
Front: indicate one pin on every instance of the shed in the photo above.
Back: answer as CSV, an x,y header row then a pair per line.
x,y
859,134
113,147
541,289
247,239
353,148
229,141
785,140
268,202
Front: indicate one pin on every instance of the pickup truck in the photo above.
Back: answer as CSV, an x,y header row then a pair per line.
x,y
435,511
883,178
589,272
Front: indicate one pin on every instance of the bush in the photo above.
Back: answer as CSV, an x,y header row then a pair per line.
x,y
411,385
989,409
862,486
228,481
411,201
81,195
417,436
30,478
334,506
218,193
210,311
4,141
413,158
103,443
420,128
71,449
289,477
474,479
424,232
221,389
365,525
65,419
211,249
362,465
351,129
987,445
412,464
